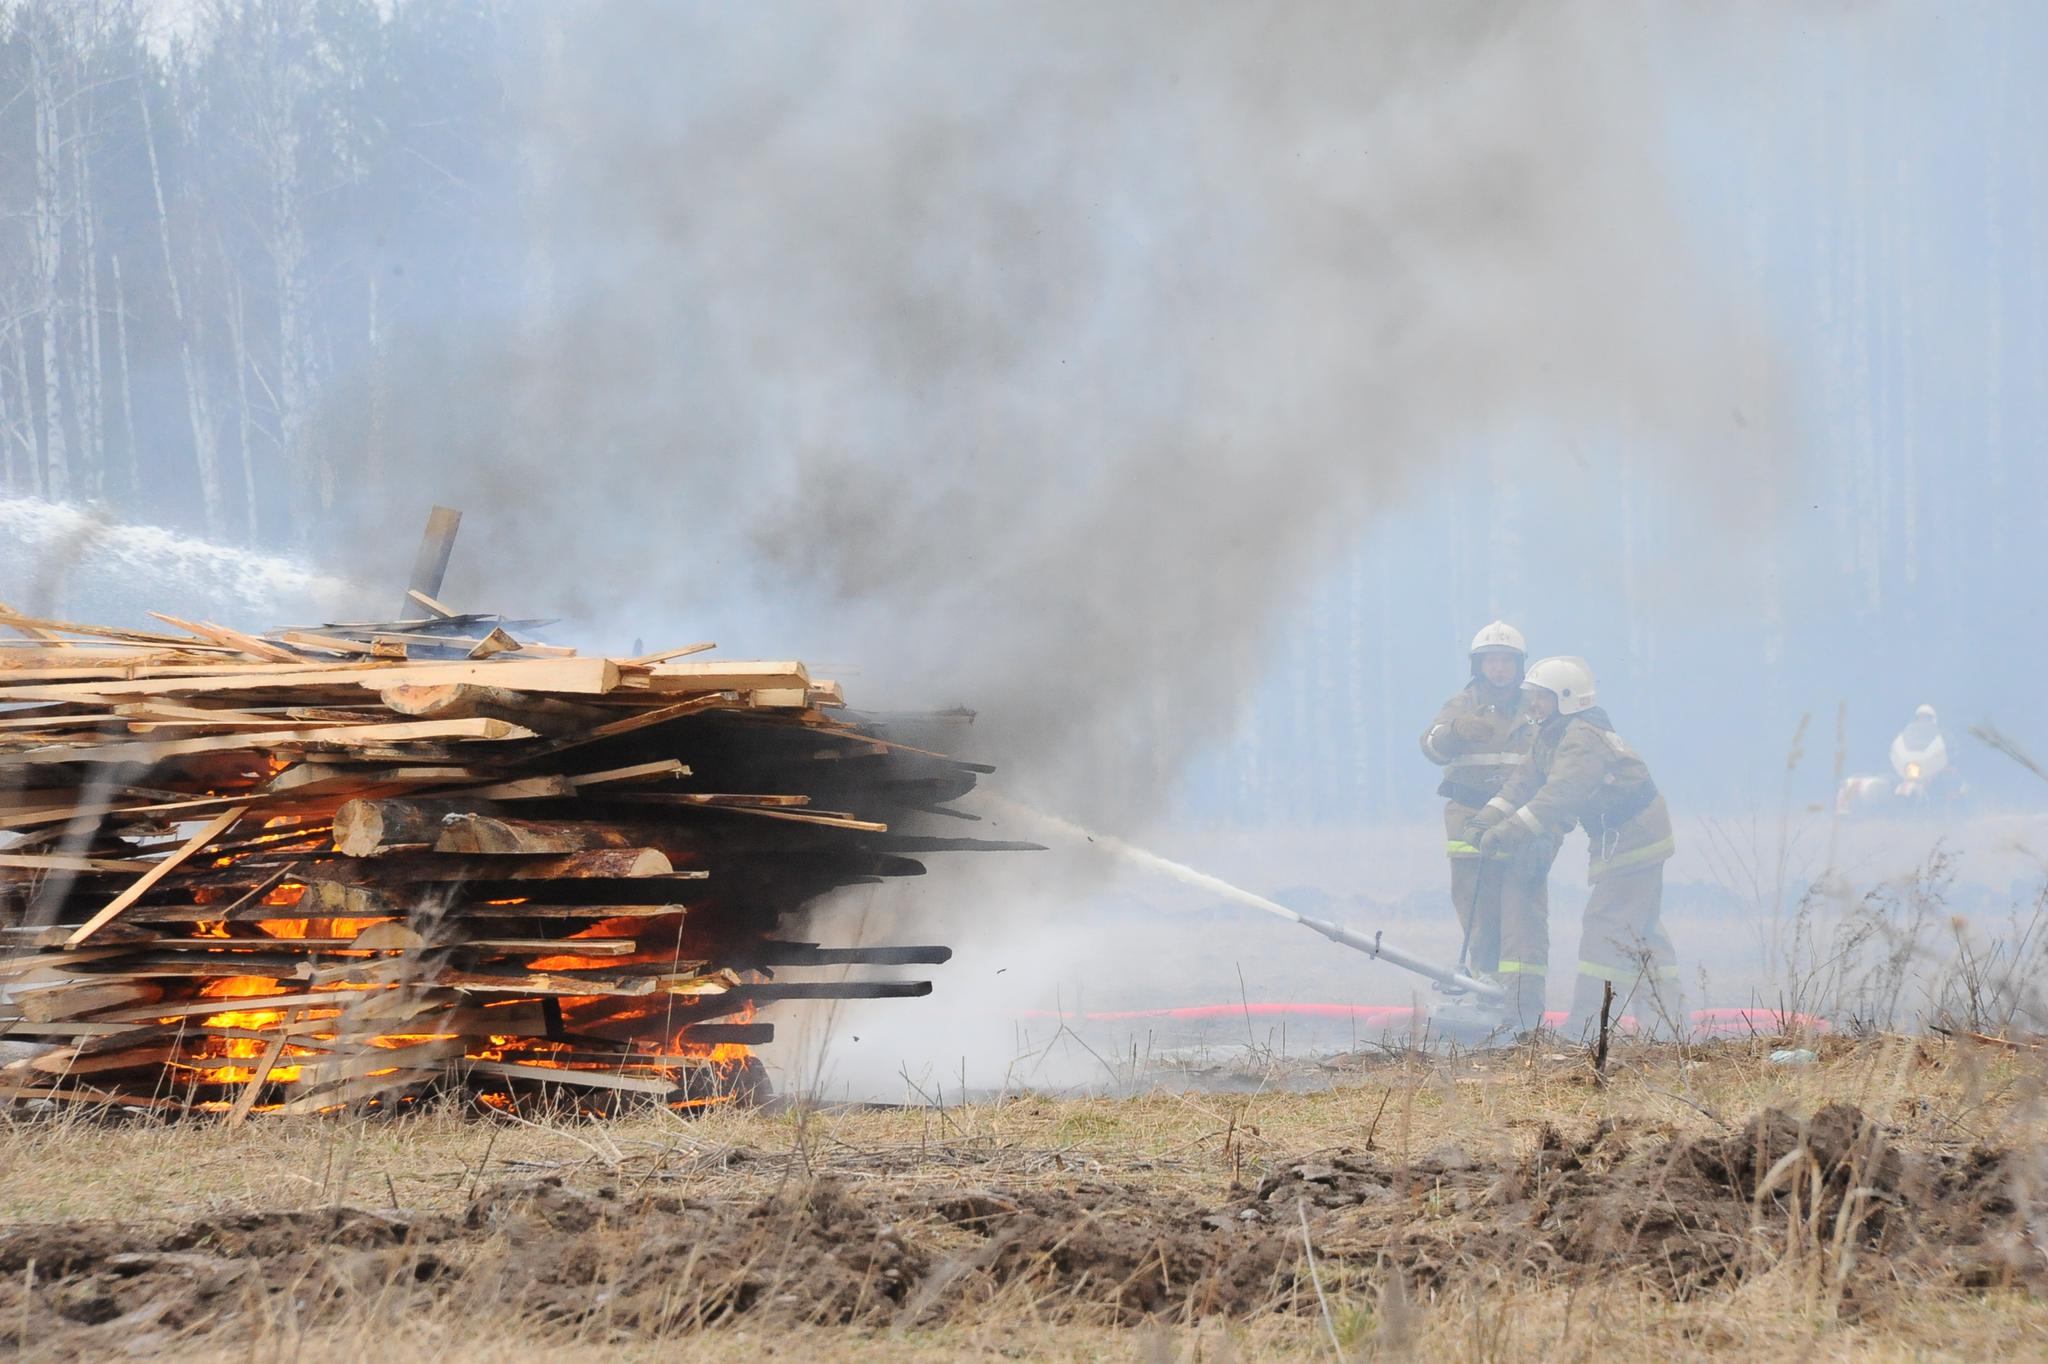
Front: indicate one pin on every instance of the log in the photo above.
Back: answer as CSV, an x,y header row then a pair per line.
x,y
467,700
401,869
479,833
365,828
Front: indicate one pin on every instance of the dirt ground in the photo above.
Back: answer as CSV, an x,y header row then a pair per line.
x,y
1889,1200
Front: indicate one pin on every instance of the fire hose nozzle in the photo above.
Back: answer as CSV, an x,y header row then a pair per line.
x,y
1375,946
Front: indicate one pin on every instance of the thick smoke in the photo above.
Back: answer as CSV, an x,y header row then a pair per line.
x,y
1034,356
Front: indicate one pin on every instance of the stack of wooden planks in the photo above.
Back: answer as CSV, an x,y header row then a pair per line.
x,y
353,865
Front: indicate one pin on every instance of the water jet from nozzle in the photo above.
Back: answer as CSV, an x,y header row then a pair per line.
x,y
1372,946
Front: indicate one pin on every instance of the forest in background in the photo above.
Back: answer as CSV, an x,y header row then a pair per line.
x,y
213,230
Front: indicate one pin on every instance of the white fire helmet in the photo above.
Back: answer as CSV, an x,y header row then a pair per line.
x,y
1925,715
1499,638
1570,680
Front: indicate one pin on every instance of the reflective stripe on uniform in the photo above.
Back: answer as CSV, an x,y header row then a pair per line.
x,y
1634,857
1429,743
1521,968
1458,847
1528,821
1625,974
1490,760
1500,803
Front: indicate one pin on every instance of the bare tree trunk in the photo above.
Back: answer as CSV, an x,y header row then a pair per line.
x,y
48,229
288,254
205,451
89,374
7,430
238,339
373,452
134,480
24,479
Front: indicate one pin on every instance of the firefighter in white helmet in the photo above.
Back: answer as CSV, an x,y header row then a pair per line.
x,y
1480,737
1581,772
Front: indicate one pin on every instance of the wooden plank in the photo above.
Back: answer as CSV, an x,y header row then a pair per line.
x,y
770,991
41,628
28,819
260,1076
663,767
35,961
22,625
495,643
659,716
570,676
544,983
305,639
162,750
233,639
577,947
67,862
86,997
88,1096
826,818
666,654
434,608
484,909
525,788
313,777
199,1008
718,676
437,543
141,887
585,1079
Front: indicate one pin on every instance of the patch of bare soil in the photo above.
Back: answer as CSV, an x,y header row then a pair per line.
x,y
1683,1217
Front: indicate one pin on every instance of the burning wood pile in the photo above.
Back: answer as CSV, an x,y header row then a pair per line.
x,y
356,865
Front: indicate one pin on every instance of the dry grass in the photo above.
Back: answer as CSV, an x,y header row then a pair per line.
x,y
1198,1150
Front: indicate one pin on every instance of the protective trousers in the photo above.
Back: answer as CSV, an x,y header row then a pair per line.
x,y
1524,961
1475,891
1623,941
1503,906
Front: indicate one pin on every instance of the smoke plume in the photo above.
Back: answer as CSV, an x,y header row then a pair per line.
x,y
1035,356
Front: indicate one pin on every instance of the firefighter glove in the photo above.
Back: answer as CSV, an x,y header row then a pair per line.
x,y
1472,728
1501,838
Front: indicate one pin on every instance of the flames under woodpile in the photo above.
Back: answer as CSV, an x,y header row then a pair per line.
x,y
358,865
